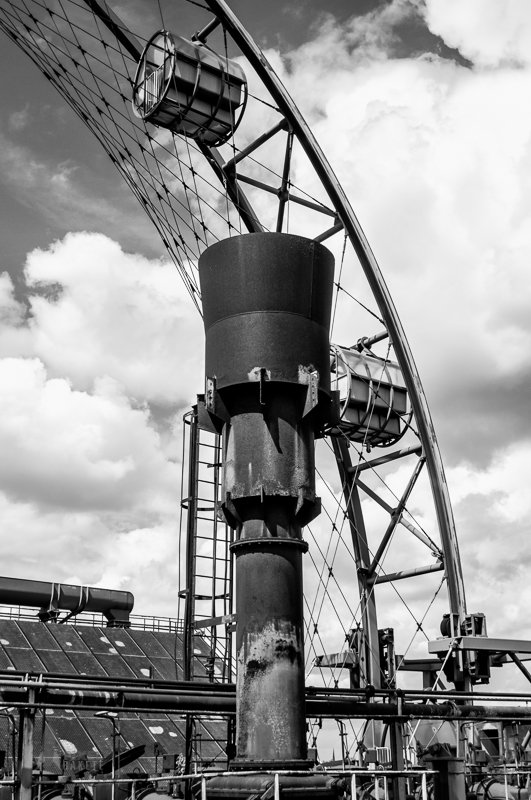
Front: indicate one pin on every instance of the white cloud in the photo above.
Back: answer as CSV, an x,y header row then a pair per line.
x,y
71,449
92,388
18,120
11,311
88,548
15,338
487,32
116,315
435,159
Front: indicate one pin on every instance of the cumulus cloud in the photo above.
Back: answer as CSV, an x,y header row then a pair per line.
x,y
90,548
435,157
14,336
73,449
117,315
95,374
487,32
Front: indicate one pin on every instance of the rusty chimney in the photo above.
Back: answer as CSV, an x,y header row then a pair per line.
x,y
267,304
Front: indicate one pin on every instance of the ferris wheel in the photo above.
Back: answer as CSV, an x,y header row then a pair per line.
x,y
208,139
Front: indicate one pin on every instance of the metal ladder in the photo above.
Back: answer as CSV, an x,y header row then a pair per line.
x,y
207,594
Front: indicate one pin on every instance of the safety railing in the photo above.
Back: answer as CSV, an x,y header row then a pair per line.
x,y
137,621
374,783
504,778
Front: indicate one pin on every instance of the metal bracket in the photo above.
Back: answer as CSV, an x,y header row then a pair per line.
x,y
310,377
210,394
260,375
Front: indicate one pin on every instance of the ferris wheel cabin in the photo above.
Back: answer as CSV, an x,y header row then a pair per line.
x,y
373,399
189,89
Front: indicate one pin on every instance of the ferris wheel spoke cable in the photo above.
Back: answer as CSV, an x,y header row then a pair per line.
x,y
328,566
362,605
311,637
320,572
109,139
115,143
86,102
338,284
419,625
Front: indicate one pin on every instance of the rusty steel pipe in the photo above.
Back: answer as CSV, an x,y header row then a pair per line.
x,y
266,303
270,710
115,605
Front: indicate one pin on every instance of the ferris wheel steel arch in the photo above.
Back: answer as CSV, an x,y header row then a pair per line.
x,y
370,266
346,220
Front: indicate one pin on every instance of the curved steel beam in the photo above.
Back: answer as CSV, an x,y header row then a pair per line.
x,y
369,264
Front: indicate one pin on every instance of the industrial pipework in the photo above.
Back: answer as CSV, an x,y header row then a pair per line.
x,y
51,598
267,304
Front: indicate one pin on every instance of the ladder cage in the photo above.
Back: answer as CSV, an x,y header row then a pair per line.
x,y
207,589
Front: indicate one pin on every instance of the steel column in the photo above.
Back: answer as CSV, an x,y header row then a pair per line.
x,y
267,302
25,751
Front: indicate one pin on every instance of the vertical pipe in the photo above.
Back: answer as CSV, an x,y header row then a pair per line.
x,y
424,786
266,309
396,739
113,763
191,530
270,711
25,750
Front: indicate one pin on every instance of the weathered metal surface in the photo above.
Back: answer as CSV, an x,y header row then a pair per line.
x,y
270,454
220,699
25,752
269,644
52,597
267,303
311,786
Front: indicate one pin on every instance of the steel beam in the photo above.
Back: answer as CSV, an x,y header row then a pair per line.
x,y
484,643
25,750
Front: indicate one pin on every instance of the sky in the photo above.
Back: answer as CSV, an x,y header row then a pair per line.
x,y
422,108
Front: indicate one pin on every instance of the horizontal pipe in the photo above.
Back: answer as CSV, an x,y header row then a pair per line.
x,y
366,342
224,703
282,125
329,232
390,577
381,460
112,603
38,681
